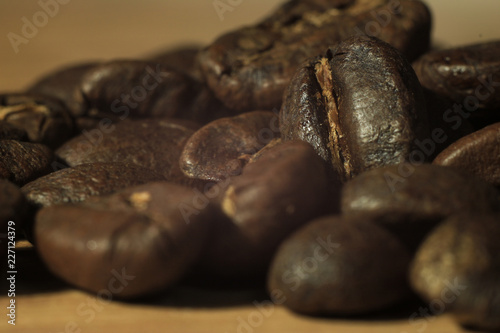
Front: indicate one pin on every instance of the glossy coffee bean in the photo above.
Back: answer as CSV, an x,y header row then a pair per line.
x,y
65,84
477,154
410,200
154,144
360,106
85,180
339,265
458,267
286,187
221,148
44,119
249,68
468,75
132,243
23,162
133,88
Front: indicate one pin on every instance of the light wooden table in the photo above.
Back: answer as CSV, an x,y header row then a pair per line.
x,y
92,29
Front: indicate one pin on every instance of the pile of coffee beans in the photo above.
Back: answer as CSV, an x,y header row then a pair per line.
x,y
339,162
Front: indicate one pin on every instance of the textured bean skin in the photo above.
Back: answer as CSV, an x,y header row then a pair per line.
x,y
340,265
360,106
477,153
461,257
249,68
463,74
138,234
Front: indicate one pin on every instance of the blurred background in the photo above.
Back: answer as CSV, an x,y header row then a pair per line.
x,y
38,36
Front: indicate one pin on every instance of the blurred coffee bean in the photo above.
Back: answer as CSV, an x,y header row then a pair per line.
x,y
154,144
23,162
477,154
221,148
249,68
82,181
11,132
65,84
410,200
44,119
12,205
183,59
458,267
132,243
360,106
286,187
133,88
339,265
468,75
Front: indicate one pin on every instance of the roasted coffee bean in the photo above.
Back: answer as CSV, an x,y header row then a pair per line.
x,y
132,88
44,119
282,190
221,148
184,59
468,75
459,264
360,106
132,243
154,144
11,132
410,200
65,84
12,204
477,154
82,181
22,162
340,265
249,68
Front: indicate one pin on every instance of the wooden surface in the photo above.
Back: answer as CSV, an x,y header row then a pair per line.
x,y
92,29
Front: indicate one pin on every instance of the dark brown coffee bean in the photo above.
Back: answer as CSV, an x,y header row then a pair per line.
x,y
131,88
283,189
154,144
129,244
184,59
477,154
410,200
360,106
82,181
12,205
249,68
22,162
468,75
458,266
221,148
11,132
65,84
340,265
44,119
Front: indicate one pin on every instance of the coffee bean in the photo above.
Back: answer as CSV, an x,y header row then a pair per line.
x,y
360,106
44,119
184,59
23,162
154,144
65,84
132,243
410,200
133,88
468,75
221,148
82,181
282,190
12,205
249,68
477,154
339,265
458,269
11,132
